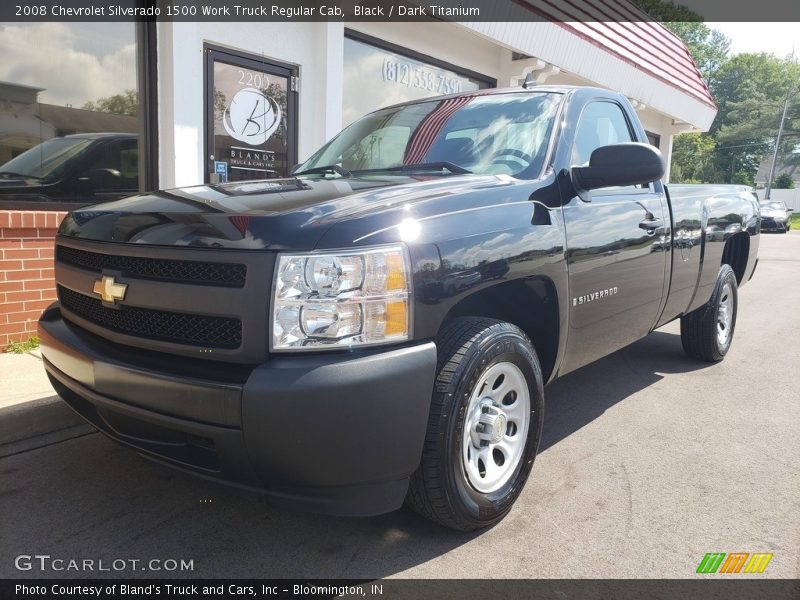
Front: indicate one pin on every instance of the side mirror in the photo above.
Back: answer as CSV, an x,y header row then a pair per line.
x,y
618,164
106,175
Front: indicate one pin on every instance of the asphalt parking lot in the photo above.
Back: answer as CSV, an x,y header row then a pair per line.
x,y
649,461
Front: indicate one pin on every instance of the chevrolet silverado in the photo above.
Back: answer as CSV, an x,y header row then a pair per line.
x,y
379,328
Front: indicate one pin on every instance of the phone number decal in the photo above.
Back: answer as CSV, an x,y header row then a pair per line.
x,y
409,75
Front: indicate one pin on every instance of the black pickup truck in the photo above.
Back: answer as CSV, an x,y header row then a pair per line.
x,y
380,327
84,167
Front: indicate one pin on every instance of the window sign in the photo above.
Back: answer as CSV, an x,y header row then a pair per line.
x,y
251,127
376,77
221,170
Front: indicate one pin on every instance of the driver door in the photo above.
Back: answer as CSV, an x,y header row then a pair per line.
x,y
616,256
110,172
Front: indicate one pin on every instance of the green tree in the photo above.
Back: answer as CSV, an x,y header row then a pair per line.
x,y
709,47
697,157
758,76
744,177
126,103
753,90
783,182
665,11
693,158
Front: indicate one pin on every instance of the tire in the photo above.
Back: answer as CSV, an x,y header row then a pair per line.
x,y
707,333
448,487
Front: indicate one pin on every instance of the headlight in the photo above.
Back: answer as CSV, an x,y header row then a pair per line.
x,y
350,298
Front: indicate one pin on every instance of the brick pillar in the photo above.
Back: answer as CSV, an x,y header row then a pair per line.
x,y
26,270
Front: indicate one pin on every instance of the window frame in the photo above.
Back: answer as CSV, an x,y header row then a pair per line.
x,y
613,190
656,139
241,58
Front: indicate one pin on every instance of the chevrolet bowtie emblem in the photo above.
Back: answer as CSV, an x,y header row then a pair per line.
x,y
109,290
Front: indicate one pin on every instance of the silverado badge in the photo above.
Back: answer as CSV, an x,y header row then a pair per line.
x,y
109,290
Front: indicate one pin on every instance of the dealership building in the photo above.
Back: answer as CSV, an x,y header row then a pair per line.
x,y
164,104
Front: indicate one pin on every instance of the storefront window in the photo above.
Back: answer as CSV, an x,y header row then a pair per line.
x,y
375,77
69,112
654,139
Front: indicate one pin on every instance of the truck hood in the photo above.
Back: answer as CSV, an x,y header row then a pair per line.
x,y
281,214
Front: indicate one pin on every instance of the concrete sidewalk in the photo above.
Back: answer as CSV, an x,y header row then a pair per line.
x,y
23,378
31,414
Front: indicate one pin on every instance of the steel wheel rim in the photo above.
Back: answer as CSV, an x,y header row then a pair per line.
x,y
496,427
725,314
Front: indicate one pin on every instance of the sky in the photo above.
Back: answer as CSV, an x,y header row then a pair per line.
x,y
776,38
73,62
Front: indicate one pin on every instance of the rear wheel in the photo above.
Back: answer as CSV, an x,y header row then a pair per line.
x,y
707,333
484,426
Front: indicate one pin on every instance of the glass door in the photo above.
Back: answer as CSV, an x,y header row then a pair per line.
x,y
251,117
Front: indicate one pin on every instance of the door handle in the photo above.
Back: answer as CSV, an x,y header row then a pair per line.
x,y
650,225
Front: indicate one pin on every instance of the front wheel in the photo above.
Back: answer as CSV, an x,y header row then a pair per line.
x,y
484,426
707,333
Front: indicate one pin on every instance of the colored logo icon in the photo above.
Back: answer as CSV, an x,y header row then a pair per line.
x,y
109,290
735,562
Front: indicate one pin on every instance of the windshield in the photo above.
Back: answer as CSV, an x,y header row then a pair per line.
x,y
48,160
773,205
491,134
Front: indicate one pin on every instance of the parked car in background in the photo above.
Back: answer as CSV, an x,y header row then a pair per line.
x,y
775,216
85,168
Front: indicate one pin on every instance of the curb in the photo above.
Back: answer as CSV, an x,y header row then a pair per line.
x,y
26,421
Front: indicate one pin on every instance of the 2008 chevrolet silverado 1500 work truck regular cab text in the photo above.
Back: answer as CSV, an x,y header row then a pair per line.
x,y
380,327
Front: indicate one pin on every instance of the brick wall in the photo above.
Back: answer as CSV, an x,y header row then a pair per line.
x,y
26,270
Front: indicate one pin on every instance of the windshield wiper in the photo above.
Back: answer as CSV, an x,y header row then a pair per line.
x,y
432,166
325,169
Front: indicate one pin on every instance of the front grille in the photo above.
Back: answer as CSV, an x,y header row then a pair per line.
x,y
178,328
183,271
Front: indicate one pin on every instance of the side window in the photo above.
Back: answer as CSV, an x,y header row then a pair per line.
x,y
601,123
115,167
129,164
